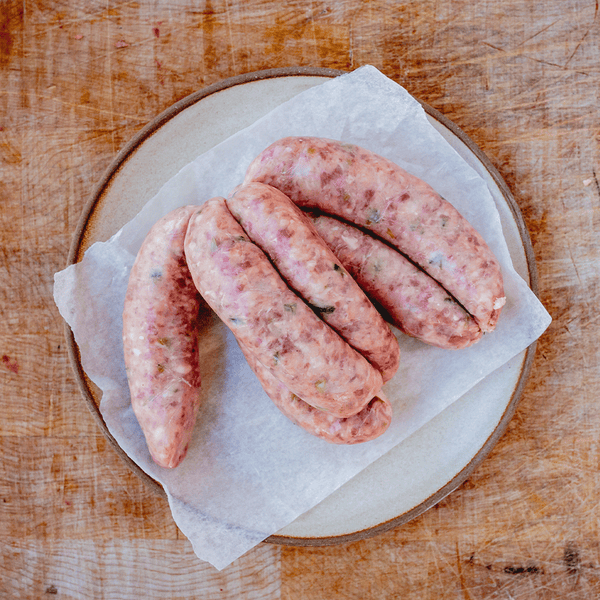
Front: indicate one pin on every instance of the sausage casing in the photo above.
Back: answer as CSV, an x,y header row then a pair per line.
x,y
370,423
280,229
241,285
160,340
414,301
370,191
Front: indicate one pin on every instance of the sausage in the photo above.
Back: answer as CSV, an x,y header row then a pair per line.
x,y
414,302
280,229
371,422
160,340
240,284
370,191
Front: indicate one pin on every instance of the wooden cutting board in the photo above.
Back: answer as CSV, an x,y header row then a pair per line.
x,y
79,79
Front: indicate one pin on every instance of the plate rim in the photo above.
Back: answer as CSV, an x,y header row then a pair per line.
x,y
76,254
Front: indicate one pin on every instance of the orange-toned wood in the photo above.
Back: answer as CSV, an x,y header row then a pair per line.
x,y
79,79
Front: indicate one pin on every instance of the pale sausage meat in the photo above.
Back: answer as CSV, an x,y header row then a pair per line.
x,y
241,285
368,190
160,340
280,229
413,300
370,423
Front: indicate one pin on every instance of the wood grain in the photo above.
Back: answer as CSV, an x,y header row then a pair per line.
x,y
79,79
434,568
156,569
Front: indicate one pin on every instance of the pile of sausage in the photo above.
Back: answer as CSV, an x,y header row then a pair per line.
x,y
302,262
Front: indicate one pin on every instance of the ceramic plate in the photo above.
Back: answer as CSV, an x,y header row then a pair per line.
x,y
427,466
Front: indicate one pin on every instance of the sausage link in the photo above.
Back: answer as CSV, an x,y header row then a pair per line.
x,y
366,189
414,301
241,285
160,340
371,422
280,229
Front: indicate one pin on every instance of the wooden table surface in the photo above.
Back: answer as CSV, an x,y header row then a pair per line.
x,y
79,79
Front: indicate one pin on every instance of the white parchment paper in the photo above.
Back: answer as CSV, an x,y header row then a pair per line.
x,y
249,471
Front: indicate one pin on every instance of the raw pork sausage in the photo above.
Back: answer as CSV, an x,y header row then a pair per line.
x,y
414,301
371,422
241,285
280,229
160,340
372,192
